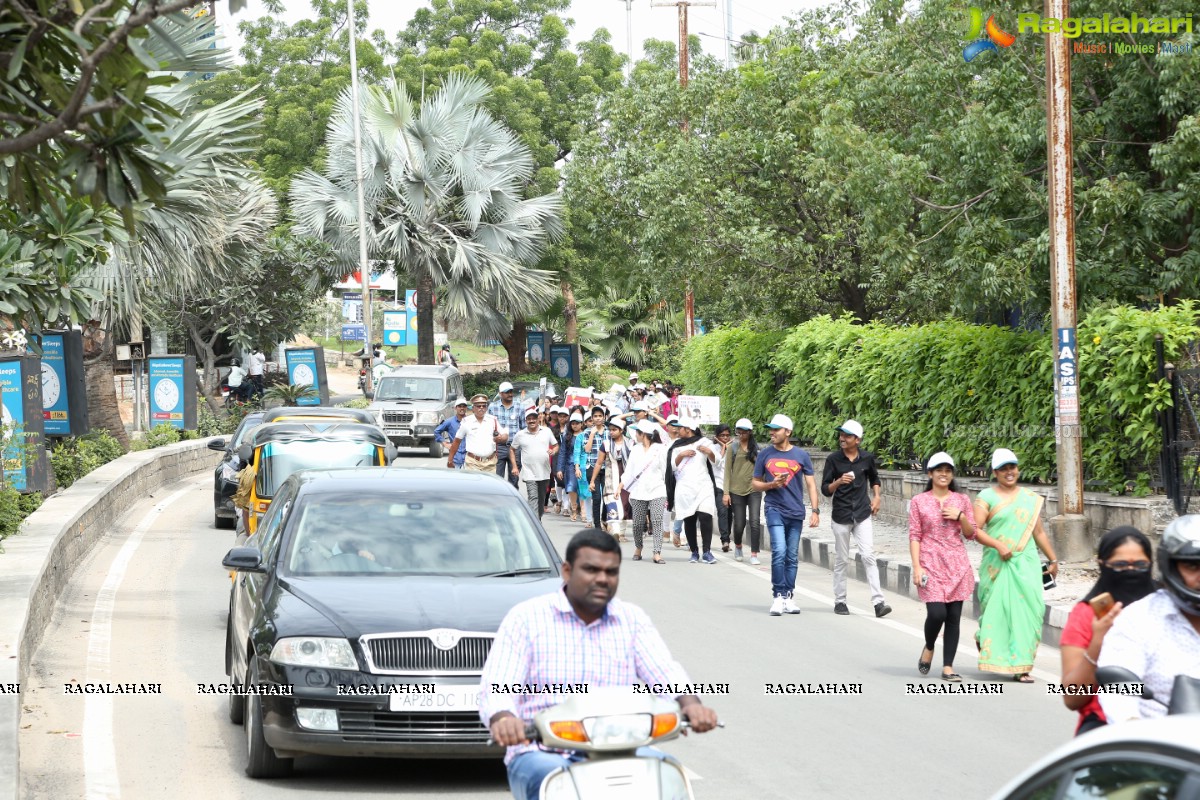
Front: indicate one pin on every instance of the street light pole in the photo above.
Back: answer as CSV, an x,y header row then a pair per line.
x,y
364,266
1069,527
629,36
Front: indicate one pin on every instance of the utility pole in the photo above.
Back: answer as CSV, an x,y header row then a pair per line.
x,y
364,265
1069,527
689,302
629,36
728,34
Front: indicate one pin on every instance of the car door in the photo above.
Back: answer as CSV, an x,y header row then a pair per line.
x,y
249,588
1127,775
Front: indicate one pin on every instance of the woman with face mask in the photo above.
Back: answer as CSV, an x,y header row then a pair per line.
x,y
1125,557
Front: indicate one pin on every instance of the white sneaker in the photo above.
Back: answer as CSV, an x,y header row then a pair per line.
x,y
777,606
754,560
790,607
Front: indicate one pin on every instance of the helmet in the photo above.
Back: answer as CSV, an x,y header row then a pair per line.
x,y
1180,542
446,346
235,362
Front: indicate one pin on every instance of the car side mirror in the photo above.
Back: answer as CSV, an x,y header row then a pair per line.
x,y
244,559
216,444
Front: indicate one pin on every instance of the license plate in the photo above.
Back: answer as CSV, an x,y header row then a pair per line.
x,y
405,432
446,697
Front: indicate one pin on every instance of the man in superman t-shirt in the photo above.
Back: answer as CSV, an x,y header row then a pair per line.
x,y
781,473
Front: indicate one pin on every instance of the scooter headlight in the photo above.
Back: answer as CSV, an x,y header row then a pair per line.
x,y
621,730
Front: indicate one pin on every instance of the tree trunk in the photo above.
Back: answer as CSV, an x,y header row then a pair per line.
x,y
514,345
570,313
208,358
425,348
103,411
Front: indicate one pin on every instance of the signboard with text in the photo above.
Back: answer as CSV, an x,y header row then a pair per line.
x,y
306,365
24,451
395,328
1066,378
702,409
564,362
536,346
172,391
64,393
354,333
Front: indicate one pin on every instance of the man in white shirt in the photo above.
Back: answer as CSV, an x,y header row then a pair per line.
x,y
237,377
256,363
480,434
535,445
1158,637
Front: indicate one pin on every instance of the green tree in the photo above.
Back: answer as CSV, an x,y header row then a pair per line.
x,y
443,193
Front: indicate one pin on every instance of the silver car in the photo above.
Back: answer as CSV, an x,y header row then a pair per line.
x,y
411,401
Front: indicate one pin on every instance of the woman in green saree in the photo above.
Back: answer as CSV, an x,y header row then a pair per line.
x,y
1010,574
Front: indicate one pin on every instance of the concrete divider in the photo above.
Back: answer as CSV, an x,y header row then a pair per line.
x,y
37,563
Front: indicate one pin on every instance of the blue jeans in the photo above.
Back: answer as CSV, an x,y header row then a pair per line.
x,y
527,771
785,551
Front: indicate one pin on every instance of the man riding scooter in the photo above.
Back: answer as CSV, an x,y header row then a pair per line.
x,y
239,387
553,640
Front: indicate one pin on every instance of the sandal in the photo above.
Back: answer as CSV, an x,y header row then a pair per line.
x,y
675,541
1024,677
658,559
923,666
637,556
574,516
953,677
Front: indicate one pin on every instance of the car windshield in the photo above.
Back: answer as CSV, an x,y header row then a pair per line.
x,y
251,422
279,460
415,535
400,387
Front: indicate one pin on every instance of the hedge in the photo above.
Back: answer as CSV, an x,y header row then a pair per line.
x,y
953,386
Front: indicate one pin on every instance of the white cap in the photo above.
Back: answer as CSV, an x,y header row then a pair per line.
x,y
550,392
617,422
852,427
641,386
780,421
531,410
633,376
1003,456
647,427
673,419
462,401
939,459
744,424
505,387
639,406
576,417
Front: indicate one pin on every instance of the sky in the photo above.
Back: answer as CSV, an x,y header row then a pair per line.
x,y
649,22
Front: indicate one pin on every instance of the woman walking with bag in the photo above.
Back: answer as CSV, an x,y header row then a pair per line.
x,y
614,453
643,480
739,494
566,465
690,488
939,518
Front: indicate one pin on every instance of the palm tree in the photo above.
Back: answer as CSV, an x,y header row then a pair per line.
x,y
214,209
442,187
622,325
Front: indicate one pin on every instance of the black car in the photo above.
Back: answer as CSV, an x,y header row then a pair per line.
x,y
225,475
365,606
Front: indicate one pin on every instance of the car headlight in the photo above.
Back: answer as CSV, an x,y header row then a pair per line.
x,y
427,417
314,651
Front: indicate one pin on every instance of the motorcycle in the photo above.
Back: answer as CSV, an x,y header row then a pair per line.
x,y
609,725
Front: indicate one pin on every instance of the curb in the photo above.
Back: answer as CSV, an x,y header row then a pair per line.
x,y
38,561
895,575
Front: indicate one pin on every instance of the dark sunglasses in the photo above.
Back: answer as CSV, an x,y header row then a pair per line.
x,y
480,405
1129,566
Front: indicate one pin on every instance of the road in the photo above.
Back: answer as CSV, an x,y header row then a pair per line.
x,y
148,606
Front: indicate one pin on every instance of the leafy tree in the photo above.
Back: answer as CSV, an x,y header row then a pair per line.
x,y
442,189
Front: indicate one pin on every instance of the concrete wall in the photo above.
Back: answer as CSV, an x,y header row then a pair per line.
x,y
38,561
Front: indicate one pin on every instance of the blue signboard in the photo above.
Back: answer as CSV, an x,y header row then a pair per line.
x,y
395,328
55,410
352,306
1067,376
410,305
167,391
564,362
13,413
535,345
302,369
354,333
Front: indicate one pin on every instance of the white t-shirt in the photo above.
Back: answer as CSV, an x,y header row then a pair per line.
x,y
476,435
256,362
534,451
235,377
645,472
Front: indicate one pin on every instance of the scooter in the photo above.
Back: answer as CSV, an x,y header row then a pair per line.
x,y
1185,692
609,725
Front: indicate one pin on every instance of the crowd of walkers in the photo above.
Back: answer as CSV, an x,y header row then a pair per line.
x,y
633,466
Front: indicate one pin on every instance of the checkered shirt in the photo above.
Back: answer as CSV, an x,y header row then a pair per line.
x,y
542,641
512,419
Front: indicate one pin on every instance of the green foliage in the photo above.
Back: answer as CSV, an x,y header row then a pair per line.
x,y
162,434
358,402
77,456
489,380
951,386
290,395
14,508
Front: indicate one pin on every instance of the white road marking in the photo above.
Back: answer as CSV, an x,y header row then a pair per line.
x,y
1048,677
99,753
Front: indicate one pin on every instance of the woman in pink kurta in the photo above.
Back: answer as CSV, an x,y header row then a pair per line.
x,y
938,520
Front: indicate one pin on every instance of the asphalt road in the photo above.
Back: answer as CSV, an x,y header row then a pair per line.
x,y
149,606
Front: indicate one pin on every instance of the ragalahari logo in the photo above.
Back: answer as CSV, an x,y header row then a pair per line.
x,y
985,36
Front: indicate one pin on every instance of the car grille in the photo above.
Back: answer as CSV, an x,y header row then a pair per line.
x,y
452,727
419,655
398,417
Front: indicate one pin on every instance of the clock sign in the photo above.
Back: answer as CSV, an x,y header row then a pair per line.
x,y
536,353
302,374
562,367
166,394
51,387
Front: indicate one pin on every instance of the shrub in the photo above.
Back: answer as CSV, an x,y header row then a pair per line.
x,y
163,433
76,457
488,380
358,402
953,386
14,508
290,395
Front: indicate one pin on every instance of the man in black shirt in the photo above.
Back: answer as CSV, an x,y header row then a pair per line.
x,y
846,478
